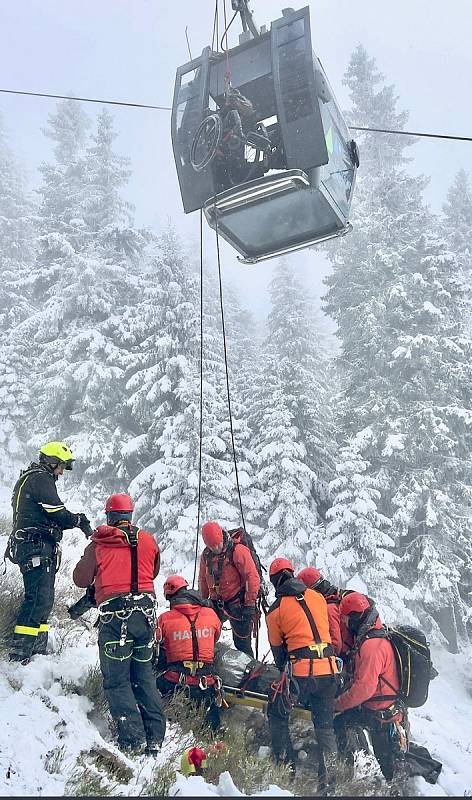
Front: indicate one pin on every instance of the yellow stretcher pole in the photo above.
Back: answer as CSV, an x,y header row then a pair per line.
x,y
235,697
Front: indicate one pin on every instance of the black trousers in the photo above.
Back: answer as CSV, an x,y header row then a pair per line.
x,y
128,681
30,635
316,694
241,628
382,742
203,697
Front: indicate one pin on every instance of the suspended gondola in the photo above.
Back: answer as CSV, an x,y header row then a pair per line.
x,y
260,143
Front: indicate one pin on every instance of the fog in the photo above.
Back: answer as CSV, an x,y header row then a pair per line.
x,y
129,49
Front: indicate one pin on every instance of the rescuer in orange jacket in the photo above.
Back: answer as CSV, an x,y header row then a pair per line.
x,y
313,579
121,562
371,697
187,635
299,636
228,576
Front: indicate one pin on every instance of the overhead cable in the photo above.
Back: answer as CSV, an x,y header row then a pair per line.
x,y
419,134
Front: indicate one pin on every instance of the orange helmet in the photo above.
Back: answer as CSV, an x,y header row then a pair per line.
x,y
212,534
280,564
309,576
173,584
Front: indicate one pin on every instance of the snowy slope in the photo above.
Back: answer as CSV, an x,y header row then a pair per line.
x,y
47,725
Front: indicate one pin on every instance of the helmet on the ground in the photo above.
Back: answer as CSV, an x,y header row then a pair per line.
x,y
55,454
280,564
119,507
173,584
354,602
310,576
212,534
193,760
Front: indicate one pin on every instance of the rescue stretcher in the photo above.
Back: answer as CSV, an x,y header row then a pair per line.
x,y
246,681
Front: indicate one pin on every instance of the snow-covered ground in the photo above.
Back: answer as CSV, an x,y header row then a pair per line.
x,y
46,725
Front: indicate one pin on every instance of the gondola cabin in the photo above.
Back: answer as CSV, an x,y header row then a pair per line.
x,y
261,145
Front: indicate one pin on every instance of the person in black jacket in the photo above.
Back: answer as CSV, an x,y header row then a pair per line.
x,y
39,519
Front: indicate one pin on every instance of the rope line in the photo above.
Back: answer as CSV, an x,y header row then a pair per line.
x,y
419,134
414,133
228,395
86,99
222,311
200,446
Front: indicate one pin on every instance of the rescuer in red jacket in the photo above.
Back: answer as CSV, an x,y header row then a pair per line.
x,y
228,576
187,635
313,579
370,699
121,562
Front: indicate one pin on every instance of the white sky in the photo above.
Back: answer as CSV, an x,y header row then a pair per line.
x,y
129,50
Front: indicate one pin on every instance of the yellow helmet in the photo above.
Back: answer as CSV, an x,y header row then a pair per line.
x,y
55,453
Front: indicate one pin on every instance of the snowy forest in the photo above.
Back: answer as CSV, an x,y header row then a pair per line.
x,y
354,449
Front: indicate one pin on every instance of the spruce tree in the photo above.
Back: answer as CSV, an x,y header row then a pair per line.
x,y
292,424
396,298
16,255
83,283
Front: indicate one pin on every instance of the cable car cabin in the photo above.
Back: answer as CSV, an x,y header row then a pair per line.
x,y
261,145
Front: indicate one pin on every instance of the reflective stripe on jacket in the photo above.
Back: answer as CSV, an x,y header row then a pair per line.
x,y
36,503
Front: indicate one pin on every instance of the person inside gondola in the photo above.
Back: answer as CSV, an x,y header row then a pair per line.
x,y
243,153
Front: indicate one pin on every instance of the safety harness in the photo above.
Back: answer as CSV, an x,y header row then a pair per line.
x,y
124,606
313,651
31,534
195,672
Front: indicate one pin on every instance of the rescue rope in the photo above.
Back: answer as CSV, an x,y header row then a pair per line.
x,y
220,283
215,37
200,445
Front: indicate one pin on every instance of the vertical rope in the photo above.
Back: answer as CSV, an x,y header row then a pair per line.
x,y
228,394
200,448
225,37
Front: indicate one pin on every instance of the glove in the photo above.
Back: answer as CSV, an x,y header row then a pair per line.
x,y
83,523
248,613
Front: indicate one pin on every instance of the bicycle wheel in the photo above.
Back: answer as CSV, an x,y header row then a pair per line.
x,y
205,142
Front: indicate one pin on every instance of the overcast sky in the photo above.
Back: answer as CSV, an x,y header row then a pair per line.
x,y
129,50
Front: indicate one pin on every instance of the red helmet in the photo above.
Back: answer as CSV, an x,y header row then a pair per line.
x,y
278,565
310,576
119,502
354,602
173,584
212,534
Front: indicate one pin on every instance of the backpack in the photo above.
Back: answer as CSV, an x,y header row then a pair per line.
x,y
237,536
240,536
413,659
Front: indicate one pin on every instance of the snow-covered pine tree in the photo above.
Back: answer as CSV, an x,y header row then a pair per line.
x,y
292,422
165,389
396,299
16,255
84,280
161,383
458,231
458,216
359,544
